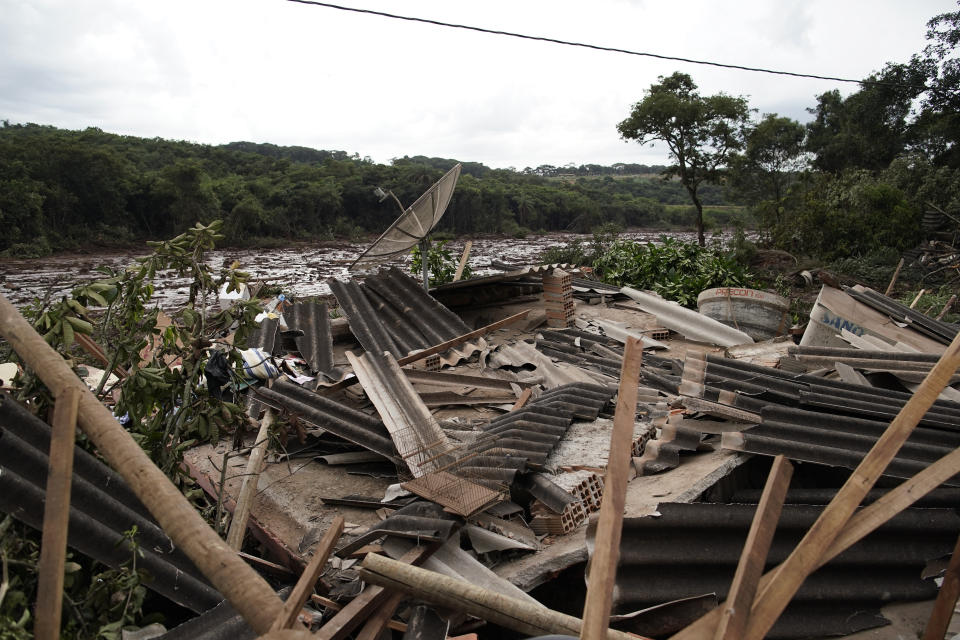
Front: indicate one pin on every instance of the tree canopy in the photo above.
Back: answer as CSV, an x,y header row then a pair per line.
x,y
700,132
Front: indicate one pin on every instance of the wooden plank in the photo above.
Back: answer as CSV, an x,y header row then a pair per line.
x,y
449,344
459,595
56,516
304,587
862,524
246,590
736,610
939,620
917,299
606,554
804,558
353,614
241,513
522,400
333,605
381,617
463,260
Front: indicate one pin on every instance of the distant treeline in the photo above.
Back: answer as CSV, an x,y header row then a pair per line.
x,y
64,190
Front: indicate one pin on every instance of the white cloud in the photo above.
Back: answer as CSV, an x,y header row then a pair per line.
x,y
274,71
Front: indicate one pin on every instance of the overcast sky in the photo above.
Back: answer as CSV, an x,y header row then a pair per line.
x,y
216,71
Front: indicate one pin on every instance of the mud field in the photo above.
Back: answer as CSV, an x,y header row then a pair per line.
x,y
299,270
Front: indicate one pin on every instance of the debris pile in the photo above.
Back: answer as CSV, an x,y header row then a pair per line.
x,y
449,462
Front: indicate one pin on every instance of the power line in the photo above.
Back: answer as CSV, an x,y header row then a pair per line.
x,y
595,47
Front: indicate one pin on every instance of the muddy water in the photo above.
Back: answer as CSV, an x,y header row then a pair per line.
x,y
299,270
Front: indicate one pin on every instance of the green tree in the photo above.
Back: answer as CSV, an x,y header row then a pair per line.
x,y
772,159
700,132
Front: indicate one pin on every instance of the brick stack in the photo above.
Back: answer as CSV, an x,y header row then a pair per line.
x,y
545,521
586,485
558,298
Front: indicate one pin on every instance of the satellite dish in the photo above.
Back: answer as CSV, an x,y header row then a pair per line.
x,y
413,227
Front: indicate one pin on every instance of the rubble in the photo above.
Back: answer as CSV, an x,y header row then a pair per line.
x,y
486,454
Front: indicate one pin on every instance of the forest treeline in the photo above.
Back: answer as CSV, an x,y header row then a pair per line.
x,y
63,189
856,179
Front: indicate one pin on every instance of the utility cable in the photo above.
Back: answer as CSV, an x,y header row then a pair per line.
x,y
595,47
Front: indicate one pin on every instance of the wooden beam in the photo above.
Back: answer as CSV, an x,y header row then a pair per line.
x,y
522,400
939,620
241,513
333,605
247,591
356,612
449,344
463,260
736,610
56,516
947,307
381,617
606,550
506,611
893,280
860,525
304,587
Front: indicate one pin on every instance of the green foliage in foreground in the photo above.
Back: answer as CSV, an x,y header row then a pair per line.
x,y
674,269
441,263
97,601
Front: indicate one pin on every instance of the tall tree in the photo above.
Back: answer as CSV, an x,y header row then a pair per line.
x,y
700,132
772,159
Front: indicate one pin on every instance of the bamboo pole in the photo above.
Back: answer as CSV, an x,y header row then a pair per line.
x,y
249,593
458,595
893,280
241,513
736,610
606,554
56,516
304,587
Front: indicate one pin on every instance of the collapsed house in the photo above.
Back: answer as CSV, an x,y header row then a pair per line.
x,y
466,433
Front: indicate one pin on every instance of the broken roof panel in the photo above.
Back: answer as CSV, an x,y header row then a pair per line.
x,y
316,343
691,324
101,509
692,549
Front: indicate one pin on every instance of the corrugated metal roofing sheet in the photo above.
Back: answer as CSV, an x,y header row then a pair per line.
x,y
316,343
693,549
101,509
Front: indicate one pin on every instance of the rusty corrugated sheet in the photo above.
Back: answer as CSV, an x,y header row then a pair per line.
x,y
692,549
101,509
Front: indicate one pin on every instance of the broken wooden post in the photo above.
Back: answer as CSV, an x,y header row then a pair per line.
x,y
246,590
241,513
304,587
56,516
893,280
356,612
947,307
805,557
459,595
736,610
917,299
860,525
463,260
936,628
523,399
606,554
